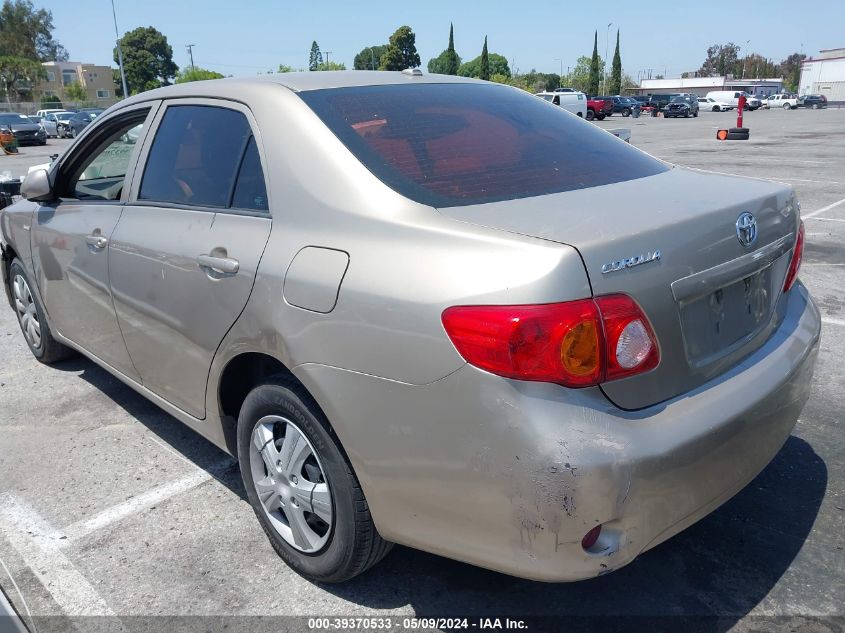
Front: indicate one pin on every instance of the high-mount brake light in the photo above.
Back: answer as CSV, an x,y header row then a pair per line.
x,y
576,343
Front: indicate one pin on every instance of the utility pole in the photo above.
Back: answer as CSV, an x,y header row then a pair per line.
x,y
327,53
190,48
119,53
604,61
560,81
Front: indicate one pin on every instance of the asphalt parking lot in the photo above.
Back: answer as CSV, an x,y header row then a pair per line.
x,y
110,507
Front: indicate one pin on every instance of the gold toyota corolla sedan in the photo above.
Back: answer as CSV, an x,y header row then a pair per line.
x,y
425,310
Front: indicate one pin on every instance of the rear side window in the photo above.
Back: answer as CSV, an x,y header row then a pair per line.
x,y
449,145
197,155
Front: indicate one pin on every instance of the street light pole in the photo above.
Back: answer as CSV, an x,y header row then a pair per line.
x,y
560,80
604,61
119,53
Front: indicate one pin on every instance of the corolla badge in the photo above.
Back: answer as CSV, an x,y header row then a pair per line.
x,y
746,229
636,260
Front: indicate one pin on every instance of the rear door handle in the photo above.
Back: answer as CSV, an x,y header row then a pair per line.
x,y
97,241
224,265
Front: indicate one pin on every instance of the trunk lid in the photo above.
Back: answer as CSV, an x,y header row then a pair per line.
x,y
711,300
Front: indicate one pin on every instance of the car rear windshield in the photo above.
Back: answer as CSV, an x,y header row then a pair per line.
x,y
448,145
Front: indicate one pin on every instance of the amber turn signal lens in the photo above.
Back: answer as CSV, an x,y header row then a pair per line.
x,y
579,351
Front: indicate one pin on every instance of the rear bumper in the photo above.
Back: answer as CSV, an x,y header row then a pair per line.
x,y
510,475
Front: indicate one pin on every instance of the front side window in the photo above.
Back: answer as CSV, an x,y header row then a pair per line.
x,y
101,174
196,157
450,145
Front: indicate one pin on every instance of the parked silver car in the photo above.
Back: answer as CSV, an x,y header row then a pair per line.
x,y
54,121
427,310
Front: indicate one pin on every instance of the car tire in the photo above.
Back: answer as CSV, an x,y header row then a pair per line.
x,y
786,106
600,117
626,112
695,115
717,109
590,115
686,115
33,324
326,551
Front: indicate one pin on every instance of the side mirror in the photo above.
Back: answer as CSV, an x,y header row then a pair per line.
x,y
36,186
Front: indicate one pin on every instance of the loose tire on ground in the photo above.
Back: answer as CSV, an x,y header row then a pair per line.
x,y
353,544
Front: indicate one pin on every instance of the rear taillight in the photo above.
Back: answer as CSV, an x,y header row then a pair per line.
x,y
795,262
575,344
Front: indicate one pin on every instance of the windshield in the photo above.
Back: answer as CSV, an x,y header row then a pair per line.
x,y
64,116
458,144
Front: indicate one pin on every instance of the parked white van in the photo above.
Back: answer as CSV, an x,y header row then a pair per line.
x,y
575,102
732,97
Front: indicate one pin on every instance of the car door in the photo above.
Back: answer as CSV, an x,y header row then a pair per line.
x,y
184,256
70,236
49,123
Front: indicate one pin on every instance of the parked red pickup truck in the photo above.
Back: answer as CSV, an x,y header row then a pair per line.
x,y
598,108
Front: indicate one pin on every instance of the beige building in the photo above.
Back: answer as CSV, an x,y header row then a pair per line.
x,y
96,80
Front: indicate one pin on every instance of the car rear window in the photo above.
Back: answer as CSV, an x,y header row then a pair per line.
x,y
449,145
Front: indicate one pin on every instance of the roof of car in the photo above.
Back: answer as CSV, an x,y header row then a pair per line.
x,y
298,82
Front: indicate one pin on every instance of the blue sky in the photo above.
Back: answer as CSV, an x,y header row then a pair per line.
x,y
243,38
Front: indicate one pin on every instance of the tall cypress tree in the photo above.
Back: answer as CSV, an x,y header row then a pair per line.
x,y
595,74
615,85
484,70
316,57
452,59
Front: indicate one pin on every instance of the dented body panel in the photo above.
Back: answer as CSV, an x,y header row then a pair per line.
x,y
510,475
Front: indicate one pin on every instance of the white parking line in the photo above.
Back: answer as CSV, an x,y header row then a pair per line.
x,y
830,321
823,209
29,535
128,508
826,219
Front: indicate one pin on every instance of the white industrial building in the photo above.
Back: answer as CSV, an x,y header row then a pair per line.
x,y
702,85
824,75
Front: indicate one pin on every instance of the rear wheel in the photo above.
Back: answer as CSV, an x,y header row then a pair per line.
x,y
600,117
590,115
626,112
786,106
303,490
36,331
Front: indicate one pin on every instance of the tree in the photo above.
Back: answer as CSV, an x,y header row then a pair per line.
x,y
401,51
497,65
580,76
369,58
722,59
447,62
315,58
332,66
196,74
593,87
147,59
484,65
628,83
790,70
27,33
75,92
614,87
18,74
50,101
284,68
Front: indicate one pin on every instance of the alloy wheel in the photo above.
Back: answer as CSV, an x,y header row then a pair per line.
x,y
27,312
291,484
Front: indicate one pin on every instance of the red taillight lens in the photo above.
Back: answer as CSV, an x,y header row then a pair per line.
x,y
631,344
575,344
795,263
